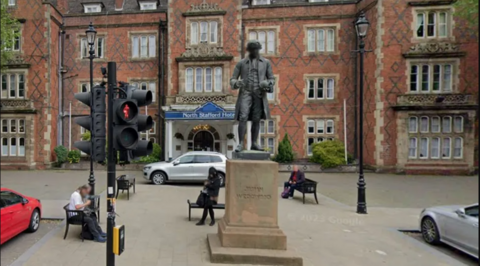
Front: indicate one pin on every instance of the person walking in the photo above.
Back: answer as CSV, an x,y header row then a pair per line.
x,y
212,187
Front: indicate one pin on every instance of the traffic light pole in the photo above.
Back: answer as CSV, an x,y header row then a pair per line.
x,y
91,179
112,84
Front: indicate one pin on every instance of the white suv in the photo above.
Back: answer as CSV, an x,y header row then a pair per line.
x,y
189,167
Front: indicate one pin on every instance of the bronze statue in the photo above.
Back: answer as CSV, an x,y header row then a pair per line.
x,y
256,81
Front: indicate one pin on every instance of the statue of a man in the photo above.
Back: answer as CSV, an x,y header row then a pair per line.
x,y
256,81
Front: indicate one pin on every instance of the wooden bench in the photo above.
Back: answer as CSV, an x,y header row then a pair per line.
x,y
307,187
219,206
125,182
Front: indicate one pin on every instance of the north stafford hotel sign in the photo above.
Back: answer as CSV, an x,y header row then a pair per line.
x,y
208,111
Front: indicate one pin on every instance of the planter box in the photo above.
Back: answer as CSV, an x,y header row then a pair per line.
x,y
84,165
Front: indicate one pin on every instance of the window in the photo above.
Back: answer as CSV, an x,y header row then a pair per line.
x,y
92,8
215,159
13,137
12,2
436,142
266,39
15,44
318,131
261,2
204,32
321,40
472,211
10,198
144,46
98,47
435,148
431,77
186,159
458,148
320,88
432,24
268,135
202,159
203,79
412,150
147,85
13,86
148,5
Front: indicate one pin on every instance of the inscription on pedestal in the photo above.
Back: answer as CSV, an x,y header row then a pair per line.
x,y
253,193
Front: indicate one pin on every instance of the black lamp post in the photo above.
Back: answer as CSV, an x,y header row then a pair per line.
x,y
361,27
91,34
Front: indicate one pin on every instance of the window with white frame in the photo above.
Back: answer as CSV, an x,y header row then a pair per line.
x,y
147,85
436,137
92,8
261,2
267,38
204,32
319,130
203,79
268,135
85,87
15,44
144,46
320,40
148,5
431,77
320,88
433,24
98,47
12,2
149,135
13,137
13,86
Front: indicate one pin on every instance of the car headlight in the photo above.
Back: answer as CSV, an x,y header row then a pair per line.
x,y
146,168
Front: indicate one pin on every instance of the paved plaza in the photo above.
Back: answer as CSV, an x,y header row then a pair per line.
x,y
331,233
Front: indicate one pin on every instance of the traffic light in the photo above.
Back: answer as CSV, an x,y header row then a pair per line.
x,y
98,118
128,123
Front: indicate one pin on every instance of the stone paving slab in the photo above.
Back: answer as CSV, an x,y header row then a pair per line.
x,y
158,233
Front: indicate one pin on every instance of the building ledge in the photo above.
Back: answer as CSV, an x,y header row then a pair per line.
x,y
431,3
434,50
204,58
11,106
435,102
204,9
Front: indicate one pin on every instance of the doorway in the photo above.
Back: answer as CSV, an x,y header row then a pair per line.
x,y
203,141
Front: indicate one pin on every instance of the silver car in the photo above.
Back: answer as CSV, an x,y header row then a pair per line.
x,y
456,226
189,167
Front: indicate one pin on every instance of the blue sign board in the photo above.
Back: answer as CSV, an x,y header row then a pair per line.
x,y
208,111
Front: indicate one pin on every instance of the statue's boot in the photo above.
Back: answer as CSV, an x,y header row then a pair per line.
x,y
256,147
239,147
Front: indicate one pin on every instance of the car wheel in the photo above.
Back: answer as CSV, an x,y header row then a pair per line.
x,y
221,176
34,221
158,178
430,232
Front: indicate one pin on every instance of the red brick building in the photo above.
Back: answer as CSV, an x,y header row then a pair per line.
x,y
420,76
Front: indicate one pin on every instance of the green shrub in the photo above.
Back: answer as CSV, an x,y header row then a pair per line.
x,y
86,136
328,153
61,154
285,151
73,156
153,157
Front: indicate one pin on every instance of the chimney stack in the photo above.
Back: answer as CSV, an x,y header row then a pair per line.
x,y
119,5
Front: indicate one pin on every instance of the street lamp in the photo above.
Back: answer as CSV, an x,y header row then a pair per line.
x,y
91,34
361,26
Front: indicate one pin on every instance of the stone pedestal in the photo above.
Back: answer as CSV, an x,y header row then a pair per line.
x,y
249,232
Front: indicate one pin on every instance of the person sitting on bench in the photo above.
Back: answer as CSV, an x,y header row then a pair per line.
x,y
90,219
297,177
212,186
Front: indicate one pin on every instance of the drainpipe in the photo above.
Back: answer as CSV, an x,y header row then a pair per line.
x,y
61,39
161,85
355,97
242,41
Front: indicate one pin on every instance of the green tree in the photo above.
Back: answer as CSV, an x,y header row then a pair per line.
x,y
285,151
467,10
9,29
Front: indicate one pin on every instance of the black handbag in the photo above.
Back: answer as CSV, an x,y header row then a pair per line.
x,y
202,199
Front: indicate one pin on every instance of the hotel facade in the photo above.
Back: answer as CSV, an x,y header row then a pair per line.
x,y
420,76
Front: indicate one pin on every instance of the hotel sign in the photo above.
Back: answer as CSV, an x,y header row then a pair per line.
x,y
208,111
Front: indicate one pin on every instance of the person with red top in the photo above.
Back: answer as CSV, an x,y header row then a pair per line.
x,y
297,177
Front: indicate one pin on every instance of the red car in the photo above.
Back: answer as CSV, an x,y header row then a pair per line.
x,y
18,213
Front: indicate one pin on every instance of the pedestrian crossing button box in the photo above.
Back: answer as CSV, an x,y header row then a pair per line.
x,y
118,239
